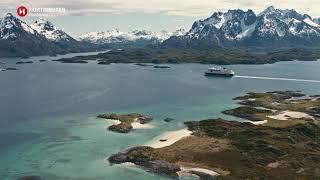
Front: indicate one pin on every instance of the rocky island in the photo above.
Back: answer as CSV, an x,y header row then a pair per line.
x,y
284,145
124,122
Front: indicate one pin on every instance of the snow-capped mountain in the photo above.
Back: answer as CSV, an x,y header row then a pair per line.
x,y
272,27
12,28
48,30
17,38
136,36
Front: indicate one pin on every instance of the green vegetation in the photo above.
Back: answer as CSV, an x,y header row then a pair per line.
x,y
217,56
279,149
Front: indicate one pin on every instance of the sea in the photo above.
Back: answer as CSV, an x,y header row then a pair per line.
x,y
48,124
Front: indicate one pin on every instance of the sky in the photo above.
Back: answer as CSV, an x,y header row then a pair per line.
x,y
83,16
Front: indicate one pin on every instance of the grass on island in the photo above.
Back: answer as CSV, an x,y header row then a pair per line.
x,y
279,149
126,121
219,56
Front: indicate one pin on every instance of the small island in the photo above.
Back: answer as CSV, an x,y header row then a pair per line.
x,y
285,144
8,69
124,122
24,62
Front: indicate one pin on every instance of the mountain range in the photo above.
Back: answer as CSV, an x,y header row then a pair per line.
x,y
17,38
136,36
237,28
270,29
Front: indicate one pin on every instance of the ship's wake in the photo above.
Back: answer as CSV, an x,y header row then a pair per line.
x,y
280,79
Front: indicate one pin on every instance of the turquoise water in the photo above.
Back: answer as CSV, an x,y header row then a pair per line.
x,y
47,110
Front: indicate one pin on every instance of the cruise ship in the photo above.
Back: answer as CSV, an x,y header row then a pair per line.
x,y
219,71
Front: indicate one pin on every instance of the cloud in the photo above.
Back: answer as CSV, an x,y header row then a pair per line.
x,y
194,8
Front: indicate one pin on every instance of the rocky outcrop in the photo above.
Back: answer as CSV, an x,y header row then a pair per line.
x,y
168,119
24,62
138,156
125,121
161,67
247,112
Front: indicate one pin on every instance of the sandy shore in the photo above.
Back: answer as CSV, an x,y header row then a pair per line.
x,y
285,115
186,171
135,125
170,137
258,122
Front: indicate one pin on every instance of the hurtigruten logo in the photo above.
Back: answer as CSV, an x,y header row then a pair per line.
x,y
22,11
39,11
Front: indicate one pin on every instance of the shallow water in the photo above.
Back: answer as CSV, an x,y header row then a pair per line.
x,y
48,109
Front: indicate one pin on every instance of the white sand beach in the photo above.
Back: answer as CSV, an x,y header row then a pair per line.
x,y
187,171
258,122
135,125
169,137
285,115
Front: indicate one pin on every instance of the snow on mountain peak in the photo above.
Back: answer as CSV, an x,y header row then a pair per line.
x,y
237,27
233,24
309,21
48,30
43,25
10,25
116,36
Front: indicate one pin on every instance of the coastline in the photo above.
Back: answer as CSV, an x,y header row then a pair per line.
x,y
135,125
209,148
170,138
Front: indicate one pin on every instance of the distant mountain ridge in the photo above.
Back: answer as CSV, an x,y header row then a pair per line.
x,y
136,36
270,29
238,28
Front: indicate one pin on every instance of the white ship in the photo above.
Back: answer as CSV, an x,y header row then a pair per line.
x,y
219,71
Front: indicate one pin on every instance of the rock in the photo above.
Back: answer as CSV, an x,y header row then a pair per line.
x,y
247,112
8,69
104,62
126,121
161,67
32,177
138,156
134,155
144,119
314,110
142,64
65,60
24,62
168,119
163,167
162,140
121,128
